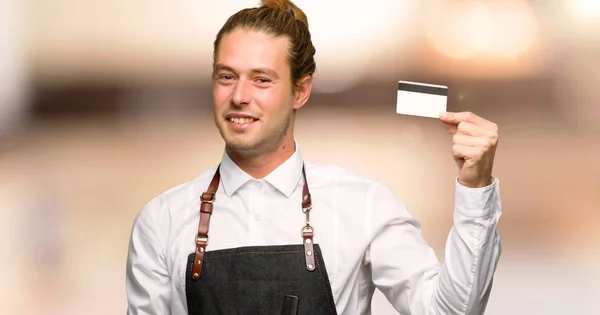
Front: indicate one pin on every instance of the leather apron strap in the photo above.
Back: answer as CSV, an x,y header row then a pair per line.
x,y
207,200
206,208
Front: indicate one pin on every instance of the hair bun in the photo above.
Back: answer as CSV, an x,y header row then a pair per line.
x,y
283,5
286,5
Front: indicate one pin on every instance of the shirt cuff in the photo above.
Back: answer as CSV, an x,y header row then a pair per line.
x,y
477,202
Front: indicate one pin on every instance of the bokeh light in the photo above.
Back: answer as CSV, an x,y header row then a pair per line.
x,y
586,8
514,27
13,67
345,34
475,29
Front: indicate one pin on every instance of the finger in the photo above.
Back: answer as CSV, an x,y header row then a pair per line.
x,y
451,127
467,128
470,129
455,118
471,141
467,152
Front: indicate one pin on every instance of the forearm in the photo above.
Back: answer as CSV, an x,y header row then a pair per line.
x,y
472,253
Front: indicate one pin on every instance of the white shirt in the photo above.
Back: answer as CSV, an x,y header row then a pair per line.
x,y
368,238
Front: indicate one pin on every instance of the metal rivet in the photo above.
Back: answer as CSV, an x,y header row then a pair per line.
x,y
310,266
198,262
196,275
202,249
309,253
308,241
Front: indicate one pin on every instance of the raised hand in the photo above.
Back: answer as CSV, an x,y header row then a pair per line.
x,y
474,145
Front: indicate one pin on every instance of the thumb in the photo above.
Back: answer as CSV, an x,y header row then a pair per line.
x,y
448,117
449,121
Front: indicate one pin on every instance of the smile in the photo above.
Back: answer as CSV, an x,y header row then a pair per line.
x,y
241,120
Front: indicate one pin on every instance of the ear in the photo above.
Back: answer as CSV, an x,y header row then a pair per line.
x,y
302,91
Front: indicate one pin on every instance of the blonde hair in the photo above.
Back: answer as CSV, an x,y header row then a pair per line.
x,y
277,18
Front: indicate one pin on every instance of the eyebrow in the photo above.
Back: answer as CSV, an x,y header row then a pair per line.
x,y
267,71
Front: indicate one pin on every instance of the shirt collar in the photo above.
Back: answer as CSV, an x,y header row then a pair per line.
x,y
232,176
285,177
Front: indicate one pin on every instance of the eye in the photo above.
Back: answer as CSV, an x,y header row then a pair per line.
x,y
225,77
263,80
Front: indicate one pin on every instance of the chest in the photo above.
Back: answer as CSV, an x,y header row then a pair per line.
x,y
257,216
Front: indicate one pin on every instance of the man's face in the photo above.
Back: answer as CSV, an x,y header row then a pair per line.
x,y
252,91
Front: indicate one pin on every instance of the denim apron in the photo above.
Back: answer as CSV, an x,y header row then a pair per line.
x,y
276,279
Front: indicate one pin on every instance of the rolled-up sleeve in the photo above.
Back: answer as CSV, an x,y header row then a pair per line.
x,y
148,284
404,267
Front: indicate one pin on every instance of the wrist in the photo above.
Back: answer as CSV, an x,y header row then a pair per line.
x,y
476,184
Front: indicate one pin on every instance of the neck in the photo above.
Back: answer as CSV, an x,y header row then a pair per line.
x,y
260,165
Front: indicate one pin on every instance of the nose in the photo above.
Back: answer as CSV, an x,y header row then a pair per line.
x,y
242,94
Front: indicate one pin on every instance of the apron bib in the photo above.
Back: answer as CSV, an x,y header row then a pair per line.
x,y
279,279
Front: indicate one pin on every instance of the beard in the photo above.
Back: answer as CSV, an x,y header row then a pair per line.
x,y
264,140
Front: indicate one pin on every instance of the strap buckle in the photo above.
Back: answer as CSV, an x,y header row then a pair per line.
x,y
212,197
202,240
307,229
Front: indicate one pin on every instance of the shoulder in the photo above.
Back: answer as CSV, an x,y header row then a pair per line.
x,y
176,198
329,173
345,181
356,196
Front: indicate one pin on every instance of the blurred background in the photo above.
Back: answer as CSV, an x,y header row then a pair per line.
x,y
106,104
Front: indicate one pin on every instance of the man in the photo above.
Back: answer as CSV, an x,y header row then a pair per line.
x,y
266,232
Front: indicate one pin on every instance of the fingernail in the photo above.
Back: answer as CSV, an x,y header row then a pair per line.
x,y
443,115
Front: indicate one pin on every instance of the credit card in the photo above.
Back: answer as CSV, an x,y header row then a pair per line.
x,y
421,99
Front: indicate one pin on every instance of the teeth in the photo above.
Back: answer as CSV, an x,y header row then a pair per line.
x,y
241,120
